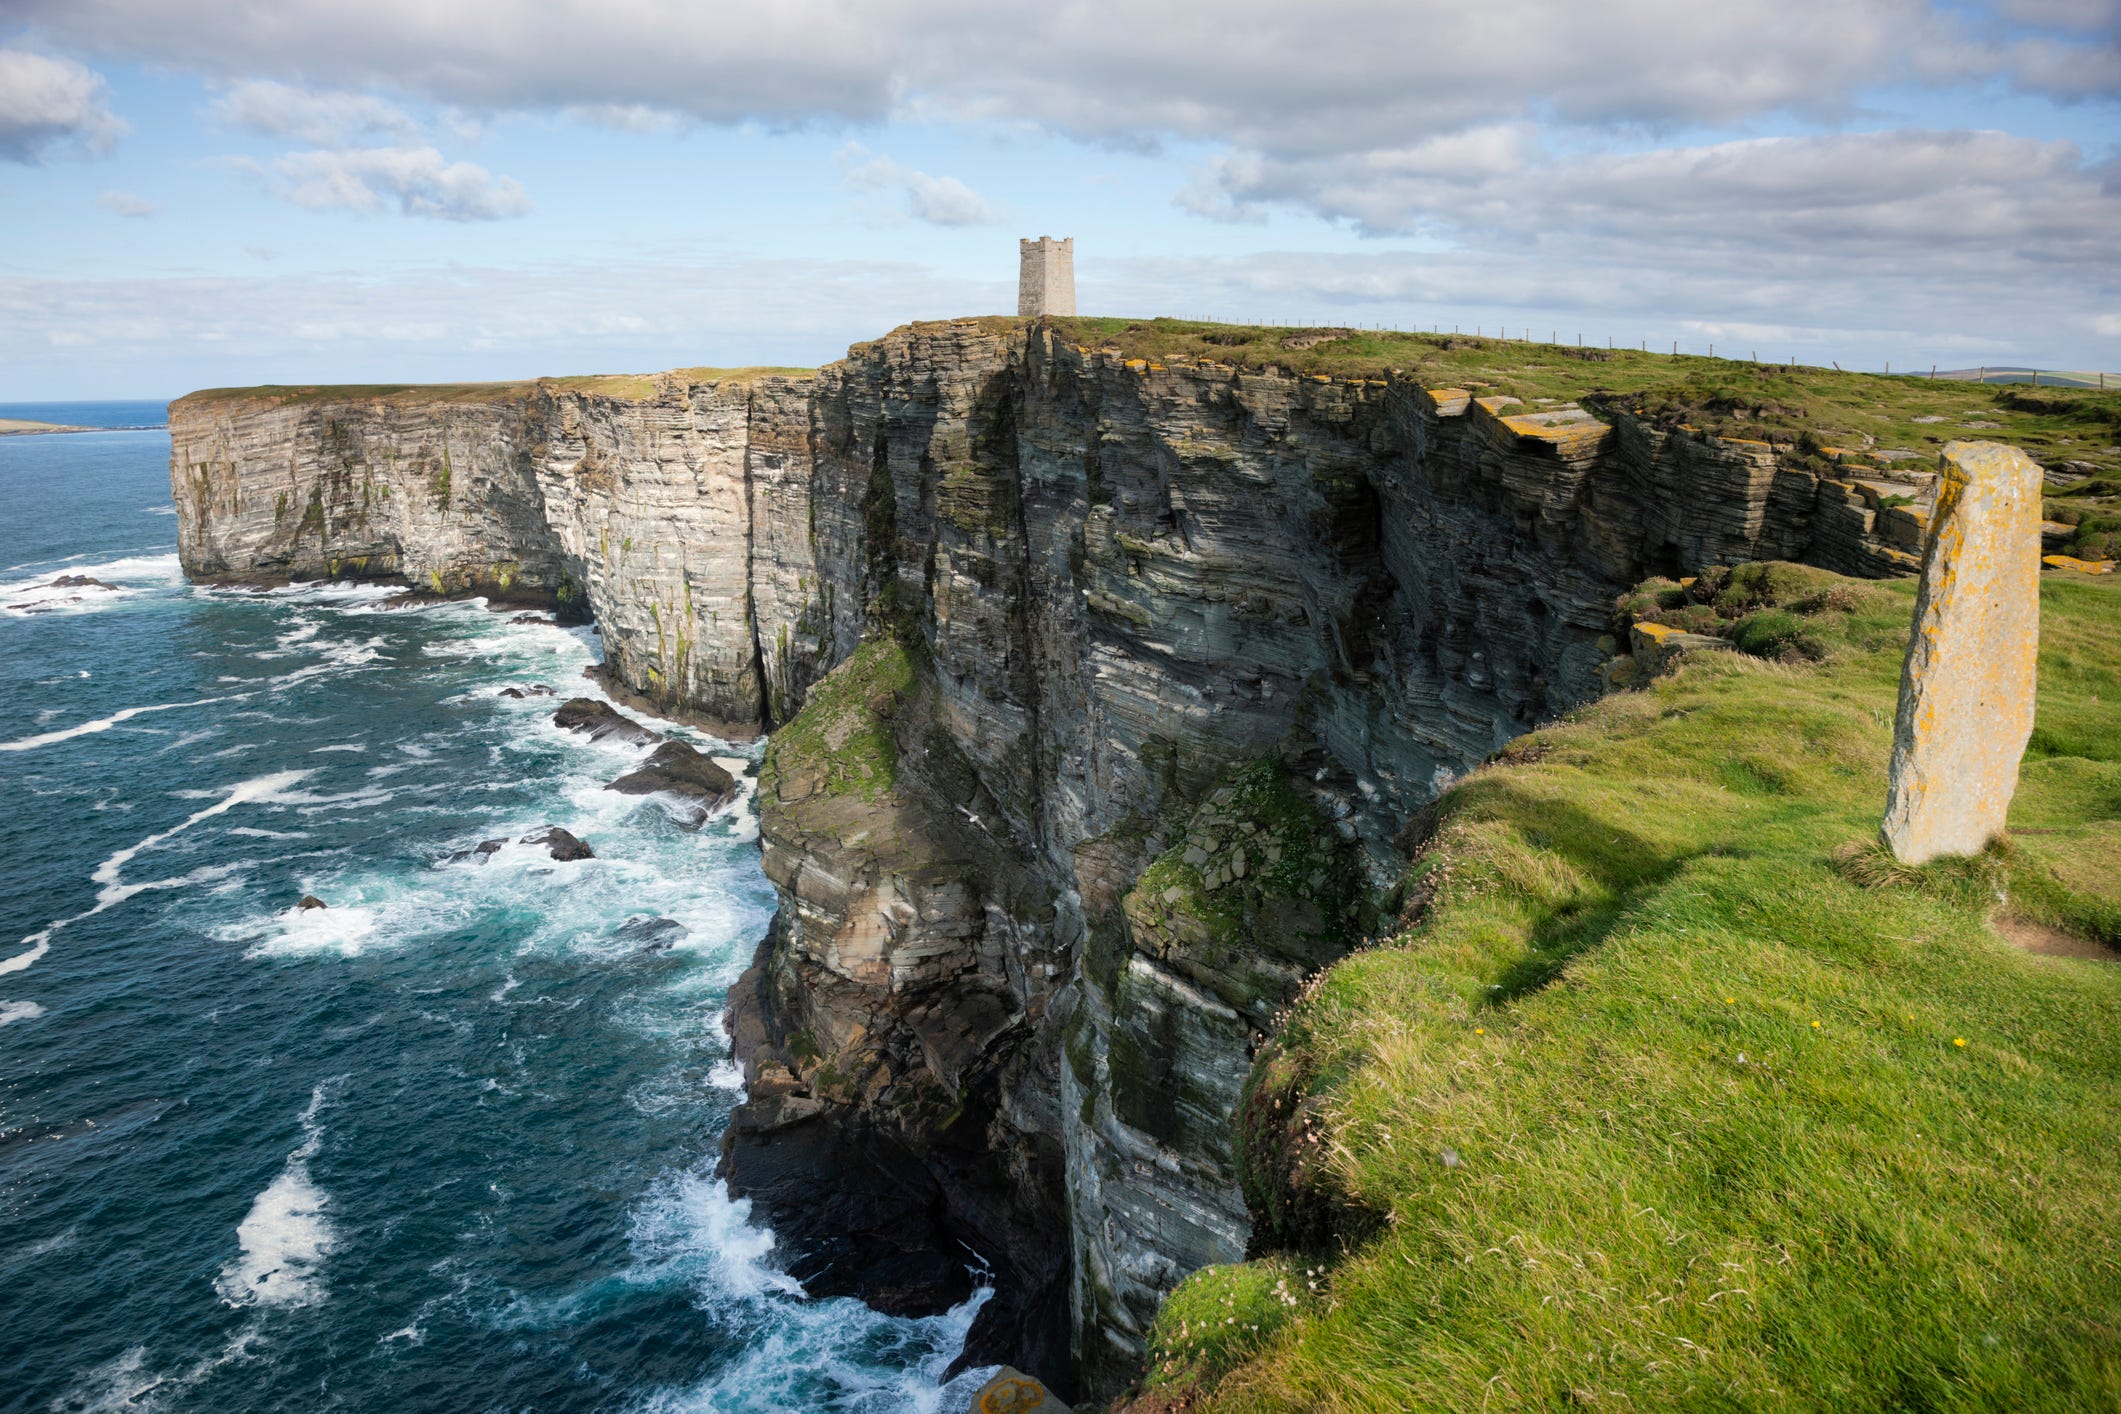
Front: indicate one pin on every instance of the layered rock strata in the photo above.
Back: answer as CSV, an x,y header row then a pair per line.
x,y
1137,676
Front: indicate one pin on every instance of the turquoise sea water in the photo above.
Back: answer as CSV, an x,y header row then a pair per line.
x,y
444,1145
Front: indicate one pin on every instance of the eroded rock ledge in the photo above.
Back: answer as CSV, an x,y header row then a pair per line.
x,y
1137,675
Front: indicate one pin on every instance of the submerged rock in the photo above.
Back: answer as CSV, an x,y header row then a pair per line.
x,y
651,934
560,844
79,581
601,720
678,769
478,854
536,689
310,901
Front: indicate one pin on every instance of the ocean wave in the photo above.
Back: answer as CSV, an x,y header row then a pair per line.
x,y
111,891
118,580
298,932
104,724
286,1236
18,1011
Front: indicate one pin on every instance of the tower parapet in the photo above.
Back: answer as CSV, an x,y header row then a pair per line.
x,y
1045,281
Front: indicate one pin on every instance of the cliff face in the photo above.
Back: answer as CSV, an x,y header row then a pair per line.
x,y
1141,674
637,506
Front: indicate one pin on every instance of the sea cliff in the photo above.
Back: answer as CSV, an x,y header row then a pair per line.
x,y
1106,696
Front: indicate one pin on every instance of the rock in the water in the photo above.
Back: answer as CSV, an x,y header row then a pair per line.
x,y
560,844
651,934
536,689
601,720
310,901
479,854
1966,691
679,770
79,581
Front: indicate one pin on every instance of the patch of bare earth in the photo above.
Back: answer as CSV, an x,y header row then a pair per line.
x,y
2052,942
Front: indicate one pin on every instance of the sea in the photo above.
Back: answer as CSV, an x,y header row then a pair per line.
x,y
447,1143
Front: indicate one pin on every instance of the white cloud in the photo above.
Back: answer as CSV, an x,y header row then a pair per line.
x,y
125,203
417,181
1827,205
50,106
325,119
630,117
1328,75
940,201
167,334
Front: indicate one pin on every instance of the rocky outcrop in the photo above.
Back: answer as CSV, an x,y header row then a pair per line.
x,y
1137,675
677,769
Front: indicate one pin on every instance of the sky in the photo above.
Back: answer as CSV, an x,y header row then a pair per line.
x,y
199,194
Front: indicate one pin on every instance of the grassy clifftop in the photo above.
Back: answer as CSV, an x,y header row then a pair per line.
x,y
1861,412
623,387
1670,1093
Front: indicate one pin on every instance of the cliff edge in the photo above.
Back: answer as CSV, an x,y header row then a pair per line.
x,y
1108,690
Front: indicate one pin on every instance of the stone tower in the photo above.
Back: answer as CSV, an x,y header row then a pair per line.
x,y
1045,283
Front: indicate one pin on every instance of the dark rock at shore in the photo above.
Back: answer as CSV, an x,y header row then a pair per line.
x,y
536,689
678,769
531,619
560,844
310,901
79,581
652,934
601,720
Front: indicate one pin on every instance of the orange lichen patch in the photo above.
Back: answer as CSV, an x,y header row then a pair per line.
x,y
1745,441
1688,581
1495,405
1320,378
1570,430
1658,632
1448,402
2071,562
1138,365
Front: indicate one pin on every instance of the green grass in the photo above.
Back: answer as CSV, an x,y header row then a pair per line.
x,y
1658,1104
842,743
624,387
1801,407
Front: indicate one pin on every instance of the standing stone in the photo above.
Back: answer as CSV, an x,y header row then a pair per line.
x,y
1966,691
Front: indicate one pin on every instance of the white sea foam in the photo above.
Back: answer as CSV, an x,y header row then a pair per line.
x,y
111,891
689,1227
338,659
341,930
287,1235
18,1011
145,570
120,580
798,1353
104,724
126,1385
39,945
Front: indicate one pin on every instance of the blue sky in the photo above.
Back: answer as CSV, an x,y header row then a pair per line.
x,y
358,190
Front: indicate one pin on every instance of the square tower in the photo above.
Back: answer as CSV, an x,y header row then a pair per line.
x,y
1045,282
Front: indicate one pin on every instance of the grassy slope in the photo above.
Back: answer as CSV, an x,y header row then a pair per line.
x,y
1656,1108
